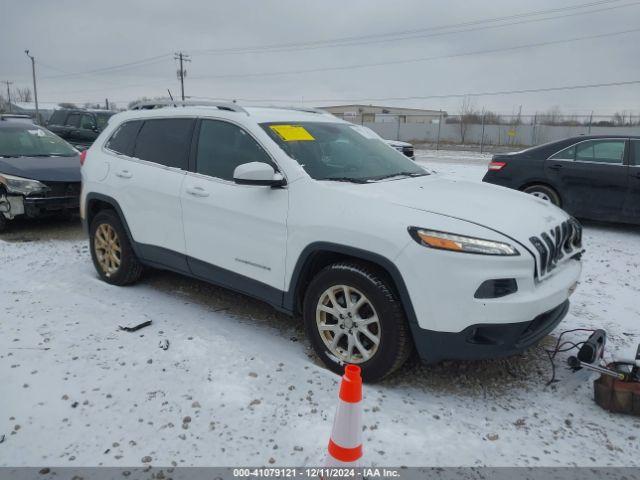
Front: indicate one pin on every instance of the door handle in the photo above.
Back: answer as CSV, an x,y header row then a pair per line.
x,y
197,191
555,166
124,174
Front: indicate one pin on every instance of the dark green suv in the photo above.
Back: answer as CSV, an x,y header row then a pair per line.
x,y
79,127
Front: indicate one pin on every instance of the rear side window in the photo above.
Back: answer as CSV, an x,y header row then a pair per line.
x,y
566,154
73,120
124,138
223,146
601,151
165,141
57,118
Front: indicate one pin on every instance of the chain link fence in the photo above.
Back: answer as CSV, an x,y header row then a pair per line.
x,y
491,130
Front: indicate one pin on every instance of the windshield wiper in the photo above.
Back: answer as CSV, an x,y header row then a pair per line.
x,y
400,174
345,179
10,156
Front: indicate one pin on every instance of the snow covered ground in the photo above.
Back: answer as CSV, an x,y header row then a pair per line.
x,y
239,384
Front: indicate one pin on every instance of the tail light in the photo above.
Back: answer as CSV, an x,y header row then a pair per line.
x,y
496,166
83,157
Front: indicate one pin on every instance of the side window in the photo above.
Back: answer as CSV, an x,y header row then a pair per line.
x,y
123,139
601,151
635,148
73,120
566,154
57,118
165,141
223,146
87,122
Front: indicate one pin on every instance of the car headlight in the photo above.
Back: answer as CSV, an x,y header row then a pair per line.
x,y
23,186
460,243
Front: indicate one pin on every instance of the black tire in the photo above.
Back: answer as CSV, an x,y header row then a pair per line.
x,y
545,192
4,223
130,268
395,343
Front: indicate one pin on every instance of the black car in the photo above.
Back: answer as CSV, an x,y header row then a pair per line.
x,y
593,177
78,127
39,173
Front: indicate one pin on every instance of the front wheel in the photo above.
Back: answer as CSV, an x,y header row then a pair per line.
x,y
353,316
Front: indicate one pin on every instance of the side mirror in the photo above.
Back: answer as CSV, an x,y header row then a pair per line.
x,y
257,173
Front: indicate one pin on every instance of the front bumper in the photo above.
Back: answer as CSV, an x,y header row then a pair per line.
x,y
487,340
452,322
40,206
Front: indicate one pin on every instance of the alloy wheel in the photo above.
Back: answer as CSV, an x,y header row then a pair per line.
x,y
541,196
348,324
107,248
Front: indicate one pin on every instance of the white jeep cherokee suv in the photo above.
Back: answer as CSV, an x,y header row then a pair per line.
x,y
319,217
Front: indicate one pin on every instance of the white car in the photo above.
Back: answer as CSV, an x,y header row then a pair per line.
x,y
319,217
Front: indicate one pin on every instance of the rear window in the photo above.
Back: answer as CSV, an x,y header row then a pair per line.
x,y
165,141
123,139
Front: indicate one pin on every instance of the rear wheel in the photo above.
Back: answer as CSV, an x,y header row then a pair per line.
x,y
352,316
111,252
543,192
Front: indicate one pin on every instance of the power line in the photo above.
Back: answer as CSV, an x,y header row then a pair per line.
x,y
416,59
332,43
376,64
452,95
416,33
123,66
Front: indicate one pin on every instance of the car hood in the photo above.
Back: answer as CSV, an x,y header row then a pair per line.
x,y
397,143
514,214
43,169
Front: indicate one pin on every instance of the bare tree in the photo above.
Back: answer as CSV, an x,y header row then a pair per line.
x,y
467,114
23,94
621,119
553,116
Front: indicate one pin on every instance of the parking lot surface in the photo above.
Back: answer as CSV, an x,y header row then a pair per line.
x,y
239,384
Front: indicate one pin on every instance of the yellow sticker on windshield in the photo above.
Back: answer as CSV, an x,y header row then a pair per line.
x,y
292,133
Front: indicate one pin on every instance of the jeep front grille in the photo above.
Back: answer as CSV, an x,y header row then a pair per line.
x,y
565,240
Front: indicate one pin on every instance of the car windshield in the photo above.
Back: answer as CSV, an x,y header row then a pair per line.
x,y
341,152
21,140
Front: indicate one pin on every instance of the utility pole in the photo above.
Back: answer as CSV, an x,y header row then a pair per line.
x,y
8,93
35,90
183,57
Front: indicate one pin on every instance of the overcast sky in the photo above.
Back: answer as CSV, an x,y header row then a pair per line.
x,y
73,39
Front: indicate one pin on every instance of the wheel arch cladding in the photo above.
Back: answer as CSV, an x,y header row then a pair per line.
x,y
318,255
96,202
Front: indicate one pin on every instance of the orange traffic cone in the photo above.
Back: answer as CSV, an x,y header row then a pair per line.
x,y
345,444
